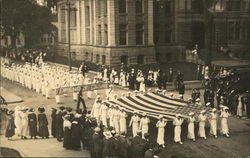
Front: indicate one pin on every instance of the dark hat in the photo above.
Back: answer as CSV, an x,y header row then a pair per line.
x,y
69,109
41,109
61,107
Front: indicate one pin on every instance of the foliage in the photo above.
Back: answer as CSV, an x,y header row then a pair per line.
x,y
27,17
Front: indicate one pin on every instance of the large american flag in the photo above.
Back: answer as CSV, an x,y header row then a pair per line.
x,y
155,104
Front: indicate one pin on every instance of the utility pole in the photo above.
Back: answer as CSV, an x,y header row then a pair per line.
x,y
69,40
69,9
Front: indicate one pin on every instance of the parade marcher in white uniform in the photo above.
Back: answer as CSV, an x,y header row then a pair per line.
x,y
17,120
161,131
144,124
134,122
103,113
213,122
105,75
96,108
239,107
87,81
191,120
116,119
109,92
177,130
224,124
202,122
24,128
111,112
198,102
142,83
123,123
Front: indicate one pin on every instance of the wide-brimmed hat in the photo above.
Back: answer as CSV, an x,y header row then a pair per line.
x,y
41,109
107,134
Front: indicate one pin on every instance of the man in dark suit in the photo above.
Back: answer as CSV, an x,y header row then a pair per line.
x,y
59,124
81,100
135,141
142,147
123,146
97,143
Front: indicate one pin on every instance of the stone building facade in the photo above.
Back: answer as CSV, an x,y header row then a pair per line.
x,y
108,31
145,31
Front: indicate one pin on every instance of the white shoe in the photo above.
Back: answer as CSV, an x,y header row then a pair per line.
x,y
181,143
227,135
215,136
205,138
193,140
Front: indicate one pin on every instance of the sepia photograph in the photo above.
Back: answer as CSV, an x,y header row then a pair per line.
x,y
125,78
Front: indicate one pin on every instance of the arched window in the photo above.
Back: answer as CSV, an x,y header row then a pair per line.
x,y
97,58
91,57
140,59
124,59
103,59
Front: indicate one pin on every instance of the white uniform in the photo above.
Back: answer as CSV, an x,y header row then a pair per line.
x,y
123,124
224,125
213,124
24,128
103,114
96,110
17,121
135,119
239,107
191,134
111,116
161,131
116,120
177,130
202,123
144,125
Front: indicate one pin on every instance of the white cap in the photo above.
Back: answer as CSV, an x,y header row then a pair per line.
x,y
178,115
144,114
198,99
208,103
191,113
203,111
214,109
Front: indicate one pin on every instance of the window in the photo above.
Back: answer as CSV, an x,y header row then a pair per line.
x,y
99,34
87,16
233,5
124,59
139,6
103,59
63,15
156,33
97,58
234,30
123,34
105,6
122,6
140,59
98,8
86,56
105,34
168,8
168,33
139,34
91,57
73,18
156,7
197,6
87,35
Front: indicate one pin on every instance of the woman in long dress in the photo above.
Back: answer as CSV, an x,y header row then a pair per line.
x,y
134,122
142,84
224,124
75,134
17,120
10,128
123,123
239,107
202,122
42,124
103,113
96,108
24,128
191,120
177,129
213,123
66,132
32,123
144,124
53,122
116,119
161,131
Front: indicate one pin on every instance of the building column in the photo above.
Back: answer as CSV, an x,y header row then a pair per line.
x,y
83,21
78,22
66,23
111,18
91,21
59,23
150,23
94,21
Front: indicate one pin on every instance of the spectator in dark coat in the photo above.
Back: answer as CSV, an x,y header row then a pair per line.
x,y
59,123
107,145
135,141
53,122
42,124
141,148
67,132
76,134
10,128
182,88
32,121
164,80
123,146
97,143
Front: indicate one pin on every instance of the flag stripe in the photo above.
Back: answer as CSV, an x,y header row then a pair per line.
x,y
174,100
155,102
168,100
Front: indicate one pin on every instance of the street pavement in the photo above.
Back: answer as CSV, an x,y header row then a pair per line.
x,y
237,146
